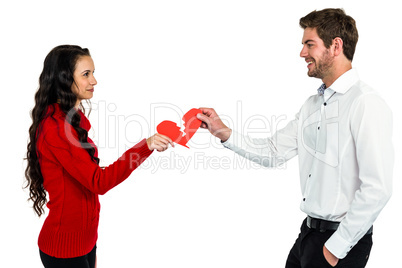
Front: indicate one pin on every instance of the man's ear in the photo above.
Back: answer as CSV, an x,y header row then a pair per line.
x,y
337,45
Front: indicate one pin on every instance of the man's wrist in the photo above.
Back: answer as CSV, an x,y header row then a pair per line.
x,y
224,134
329,257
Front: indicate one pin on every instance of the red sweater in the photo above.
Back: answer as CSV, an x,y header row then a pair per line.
x,y
74,181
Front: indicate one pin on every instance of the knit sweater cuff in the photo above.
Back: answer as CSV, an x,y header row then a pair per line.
x,y
138,154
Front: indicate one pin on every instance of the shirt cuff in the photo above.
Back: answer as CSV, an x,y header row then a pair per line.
x,y
230,143
338,246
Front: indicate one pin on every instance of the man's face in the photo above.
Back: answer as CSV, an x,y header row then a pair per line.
x,y
319,59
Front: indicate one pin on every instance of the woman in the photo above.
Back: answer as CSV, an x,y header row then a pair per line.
x,y
63,161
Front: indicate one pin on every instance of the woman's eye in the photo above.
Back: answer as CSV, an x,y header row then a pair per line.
x,y
86,74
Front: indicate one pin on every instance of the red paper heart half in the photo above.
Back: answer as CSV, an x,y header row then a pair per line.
x,y
191,124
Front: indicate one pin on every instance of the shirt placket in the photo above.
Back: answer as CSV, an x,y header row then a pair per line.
x,y
311,175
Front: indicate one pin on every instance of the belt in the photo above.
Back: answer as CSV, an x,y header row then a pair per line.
x,y
323,225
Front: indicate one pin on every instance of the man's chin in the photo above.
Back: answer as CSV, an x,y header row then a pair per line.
x,y
313,74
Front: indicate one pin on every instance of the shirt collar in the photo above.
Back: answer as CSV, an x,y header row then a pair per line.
x,y
345,81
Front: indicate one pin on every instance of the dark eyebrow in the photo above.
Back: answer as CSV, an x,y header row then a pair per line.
x,y
86,71
305,42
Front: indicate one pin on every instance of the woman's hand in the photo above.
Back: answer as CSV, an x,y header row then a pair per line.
x,y
159,142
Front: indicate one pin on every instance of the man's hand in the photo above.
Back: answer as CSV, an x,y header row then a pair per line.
x,y
159,142
214,124
331,259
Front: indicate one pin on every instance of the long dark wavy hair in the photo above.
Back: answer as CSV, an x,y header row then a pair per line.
x,y
55,84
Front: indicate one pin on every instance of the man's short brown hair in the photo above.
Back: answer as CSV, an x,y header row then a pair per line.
x,y
331,23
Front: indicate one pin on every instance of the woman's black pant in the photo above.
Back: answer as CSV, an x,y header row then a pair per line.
x,y
307,251
86,261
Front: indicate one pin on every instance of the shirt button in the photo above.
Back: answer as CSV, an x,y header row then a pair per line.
x,y
309,175
304,199
318,128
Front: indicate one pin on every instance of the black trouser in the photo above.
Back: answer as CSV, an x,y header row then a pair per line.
x,y
307,252
86,261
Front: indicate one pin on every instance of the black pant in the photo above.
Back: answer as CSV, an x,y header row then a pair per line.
x,y
86,261
307,252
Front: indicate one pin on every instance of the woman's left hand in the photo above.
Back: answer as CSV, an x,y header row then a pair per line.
x,y
159,142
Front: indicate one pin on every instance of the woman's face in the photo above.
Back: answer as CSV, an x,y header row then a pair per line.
x,y
84,80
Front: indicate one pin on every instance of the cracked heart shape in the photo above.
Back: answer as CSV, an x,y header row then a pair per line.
x,y
172,130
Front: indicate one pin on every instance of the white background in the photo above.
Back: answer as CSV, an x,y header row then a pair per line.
x,y
155,60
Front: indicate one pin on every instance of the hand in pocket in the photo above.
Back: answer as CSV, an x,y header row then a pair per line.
x,y
329,257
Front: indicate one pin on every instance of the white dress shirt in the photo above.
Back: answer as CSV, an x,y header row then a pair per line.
x,y
344,142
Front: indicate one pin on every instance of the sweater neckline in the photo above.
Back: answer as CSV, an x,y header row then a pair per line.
x,y
84,122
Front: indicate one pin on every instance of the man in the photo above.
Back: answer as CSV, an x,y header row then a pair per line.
x,y
342,136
